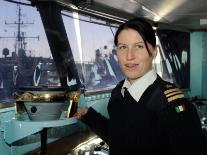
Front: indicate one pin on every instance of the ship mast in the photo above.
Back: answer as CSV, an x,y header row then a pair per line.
x,y
20,36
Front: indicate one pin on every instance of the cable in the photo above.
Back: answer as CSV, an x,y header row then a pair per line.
x,y
21,3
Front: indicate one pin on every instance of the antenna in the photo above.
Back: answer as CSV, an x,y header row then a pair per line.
x,y
20,36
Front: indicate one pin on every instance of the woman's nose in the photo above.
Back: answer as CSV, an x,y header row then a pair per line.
x,y
130,54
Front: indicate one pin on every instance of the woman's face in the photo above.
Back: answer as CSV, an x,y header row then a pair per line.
x,y
132,54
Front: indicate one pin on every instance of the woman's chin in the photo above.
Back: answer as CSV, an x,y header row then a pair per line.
x,y
132,76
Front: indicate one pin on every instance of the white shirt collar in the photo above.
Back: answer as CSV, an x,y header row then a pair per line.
x,y
140,85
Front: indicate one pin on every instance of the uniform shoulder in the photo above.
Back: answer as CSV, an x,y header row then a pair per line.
x,y
172,92
175,102
175,99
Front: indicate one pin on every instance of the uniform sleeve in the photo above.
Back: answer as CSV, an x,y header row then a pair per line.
x,y
183,127
97,123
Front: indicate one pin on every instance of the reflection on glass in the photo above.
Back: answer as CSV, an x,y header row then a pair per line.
x,y
96,57
25,57
175,51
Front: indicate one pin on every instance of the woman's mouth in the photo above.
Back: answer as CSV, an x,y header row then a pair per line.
x,y
131,66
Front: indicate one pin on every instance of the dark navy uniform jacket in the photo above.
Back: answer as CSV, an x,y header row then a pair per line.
x,y
162,122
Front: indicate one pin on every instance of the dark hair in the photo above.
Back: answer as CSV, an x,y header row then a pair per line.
x,y
143,27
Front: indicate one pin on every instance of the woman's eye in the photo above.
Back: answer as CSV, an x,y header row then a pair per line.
x,y
122,47
139,46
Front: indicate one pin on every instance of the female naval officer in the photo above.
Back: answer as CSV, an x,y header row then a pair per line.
x,y
147,115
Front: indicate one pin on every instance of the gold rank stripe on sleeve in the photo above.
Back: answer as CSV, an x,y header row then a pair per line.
x,y
175,97
173,93
171,90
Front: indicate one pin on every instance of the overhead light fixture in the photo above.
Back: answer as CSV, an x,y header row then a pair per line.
x,y
156,16
133,1
154,28
203,21
72,6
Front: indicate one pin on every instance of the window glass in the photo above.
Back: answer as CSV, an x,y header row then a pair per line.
x,y
174,48
93,49
25,57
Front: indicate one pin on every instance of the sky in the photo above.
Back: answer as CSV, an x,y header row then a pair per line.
x,y
8,14
92,36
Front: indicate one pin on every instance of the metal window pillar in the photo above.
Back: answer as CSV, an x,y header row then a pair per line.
x,y
50,13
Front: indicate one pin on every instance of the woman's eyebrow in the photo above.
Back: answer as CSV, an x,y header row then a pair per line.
x,y
135,43
121,44
139,42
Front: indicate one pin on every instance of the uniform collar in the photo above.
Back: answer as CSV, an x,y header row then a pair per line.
x,y
140,85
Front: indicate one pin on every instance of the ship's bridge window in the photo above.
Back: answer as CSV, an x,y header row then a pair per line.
x,y
91,41
25,56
